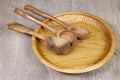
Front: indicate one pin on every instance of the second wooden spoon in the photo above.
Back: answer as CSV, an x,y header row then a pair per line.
x,y
63,33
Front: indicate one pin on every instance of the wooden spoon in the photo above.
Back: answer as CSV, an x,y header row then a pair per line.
x,y
81,33
56,44
65,34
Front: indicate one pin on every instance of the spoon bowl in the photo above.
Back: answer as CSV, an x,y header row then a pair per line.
x,y
81,33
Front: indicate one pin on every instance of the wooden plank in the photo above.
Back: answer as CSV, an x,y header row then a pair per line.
x,y
17,60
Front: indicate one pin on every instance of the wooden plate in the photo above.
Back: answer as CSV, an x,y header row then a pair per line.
x,y
86,55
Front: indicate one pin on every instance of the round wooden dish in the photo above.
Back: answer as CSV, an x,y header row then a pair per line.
x,y
85,55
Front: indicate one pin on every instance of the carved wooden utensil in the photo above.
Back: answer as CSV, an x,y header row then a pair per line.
x,y
80,32
56,44
65,34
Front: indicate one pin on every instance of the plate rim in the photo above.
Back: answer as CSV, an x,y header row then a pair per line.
x,y
90,68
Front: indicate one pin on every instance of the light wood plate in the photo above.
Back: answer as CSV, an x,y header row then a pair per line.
x,y
85,55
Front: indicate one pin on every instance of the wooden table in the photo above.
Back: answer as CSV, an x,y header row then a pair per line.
x,y
17,59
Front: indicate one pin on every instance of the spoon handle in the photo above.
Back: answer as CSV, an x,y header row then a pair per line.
x,y
21,28
40,13
26,15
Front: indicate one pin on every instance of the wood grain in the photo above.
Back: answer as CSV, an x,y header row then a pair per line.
x,y
17,60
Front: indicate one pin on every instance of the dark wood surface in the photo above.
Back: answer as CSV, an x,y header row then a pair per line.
x,y
17,59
